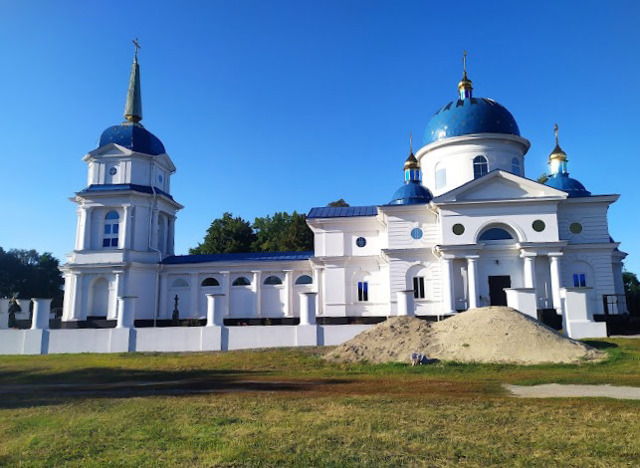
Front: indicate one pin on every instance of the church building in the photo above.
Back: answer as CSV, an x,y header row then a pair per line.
x,y
465,229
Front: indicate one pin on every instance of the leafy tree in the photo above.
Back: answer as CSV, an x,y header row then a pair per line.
x,y
30,274
226,235
631,283
299,236
282,232
543,178
340,202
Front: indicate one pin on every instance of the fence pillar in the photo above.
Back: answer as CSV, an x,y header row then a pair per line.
x,y
24,309
126,311
41,310
215,311
4,313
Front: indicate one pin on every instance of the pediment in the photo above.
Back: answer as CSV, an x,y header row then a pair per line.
x,y
500,185
108,151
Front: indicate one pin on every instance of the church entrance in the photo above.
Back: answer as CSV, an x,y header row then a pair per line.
x,y
497,295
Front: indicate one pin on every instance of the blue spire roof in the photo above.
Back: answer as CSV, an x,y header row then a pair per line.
x,y
573,187
131,134
468,116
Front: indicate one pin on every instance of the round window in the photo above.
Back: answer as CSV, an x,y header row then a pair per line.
x,y
458,229
538,225
361,241
113,171
575,228
416,233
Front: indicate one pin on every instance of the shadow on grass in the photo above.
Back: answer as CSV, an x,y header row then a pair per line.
x,y
71,386
600,344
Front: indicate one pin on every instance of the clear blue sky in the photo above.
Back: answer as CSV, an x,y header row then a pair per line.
x,y
271,106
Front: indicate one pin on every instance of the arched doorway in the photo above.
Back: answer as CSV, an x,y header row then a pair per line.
x,y
99,298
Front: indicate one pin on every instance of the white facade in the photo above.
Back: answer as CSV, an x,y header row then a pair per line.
x,y
488,229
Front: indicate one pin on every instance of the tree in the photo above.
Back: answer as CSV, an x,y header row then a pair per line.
x,y
631,283
338,203
30,274
226,235
543,178
282,232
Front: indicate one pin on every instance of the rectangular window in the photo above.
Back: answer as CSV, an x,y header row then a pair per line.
x,y
106,242
580,280
418,287
363,291
116,228
107,228
441,178
114,242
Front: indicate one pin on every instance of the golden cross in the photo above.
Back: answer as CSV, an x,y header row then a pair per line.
x,y
136,44
411,142
555,129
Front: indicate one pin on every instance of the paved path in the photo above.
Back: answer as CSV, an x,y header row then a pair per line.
x,y
573,391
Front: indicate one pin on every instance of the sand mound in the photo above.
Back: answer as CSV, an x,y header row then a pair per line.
x,y
488,334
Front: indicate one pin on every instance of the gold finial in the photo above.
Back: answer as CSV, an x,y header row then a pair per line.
x,y
557,158
555,129
465,87
410,142
136,44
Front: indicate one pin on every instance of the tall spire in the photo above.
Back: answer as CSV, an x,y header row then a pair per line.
x,y
465,86
133,106
557,158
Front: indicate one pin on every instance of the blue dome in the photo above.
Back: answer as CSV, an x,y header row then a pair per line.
x,y
562,181
411,193
133,136
469,116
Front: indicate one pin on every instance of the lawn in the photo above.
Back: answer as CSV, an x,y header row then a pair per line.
x,y
288,407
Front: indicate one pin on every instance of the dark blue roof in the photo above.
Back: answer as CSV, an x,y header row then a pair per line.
x,y
240,257
411,193
342,211
562,181
133,136
134,187
469,116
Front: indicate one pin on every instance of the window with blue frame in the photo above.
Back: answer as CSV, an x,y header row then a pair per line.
x,y
363,291
111,229
579,280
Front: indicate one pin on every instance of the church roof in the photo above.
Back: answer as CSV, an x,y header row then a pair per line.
x,y
342,211
411,193
134,137
240,257
134,187
470,116
573,187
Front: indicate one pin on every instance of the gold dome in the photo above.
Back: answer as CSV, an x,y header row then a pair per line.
x,y
557,153
411,162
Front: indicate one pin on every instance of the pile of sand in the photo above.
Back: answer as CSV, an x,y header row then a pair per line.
x,y
488,334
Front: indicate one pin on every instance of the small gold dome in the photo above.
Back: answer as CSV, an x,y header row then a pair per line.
x,y
557,153
411,162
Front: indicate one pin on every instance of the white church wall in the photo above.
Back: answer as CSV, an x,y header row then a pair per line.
x,y
597,267
498,263
400,223
592,218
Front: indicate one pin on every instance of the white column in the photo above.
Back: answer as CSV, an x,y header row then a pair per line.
x,y
226,303
163,313
4,313
472,279
555,280
41,310
126,241
83,237
406,304
127,311
118,293
447,286
195,296
257,296
76,303
215,311
529,269
154,230
308,308
318,274
288,284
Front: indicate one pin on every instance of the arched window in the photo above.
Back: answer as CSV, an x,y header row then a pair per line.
x,y
210,282
515,166
241,281
304,279
180,283
272,280
493,234
480,166
111,229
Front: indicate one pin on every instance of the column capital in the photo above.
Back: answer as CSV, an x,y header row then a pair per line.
x,y
555,255
472,258
527,254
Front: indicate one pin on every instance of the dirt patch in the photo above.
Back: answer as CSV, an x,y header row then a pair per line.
x,y
574,391
487,334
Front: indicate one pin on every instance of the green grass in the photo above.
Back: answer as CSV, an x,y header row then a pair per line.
x,y
288,407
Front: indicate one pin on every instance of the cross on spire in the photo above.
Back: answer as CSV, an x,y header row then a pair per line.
x,y
464,62
136,44
555,129
410,142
